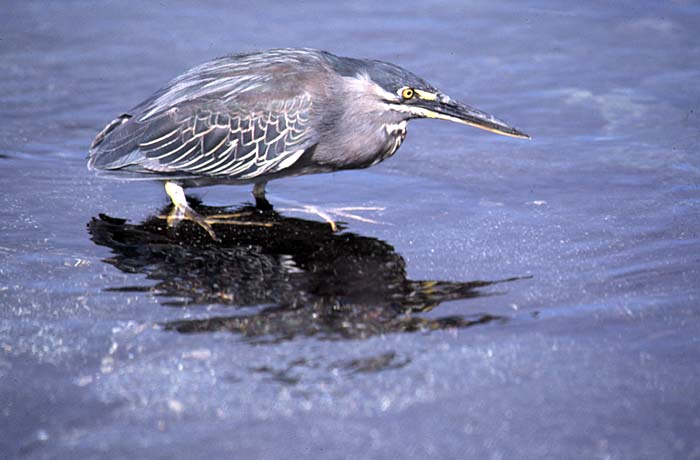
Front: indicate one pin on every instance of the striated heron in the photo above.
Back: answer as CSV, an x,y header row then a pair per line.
x,y
251,118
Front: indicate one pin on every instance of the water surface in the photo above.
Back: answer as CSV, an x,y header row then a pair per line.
x,y
499,299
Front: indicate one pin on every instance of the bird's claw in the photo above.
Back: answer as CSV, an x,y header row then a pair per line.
x,y
180,213
328,214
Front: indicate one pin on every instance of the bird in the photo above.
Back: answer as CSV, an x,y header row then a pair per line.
x,y
249,118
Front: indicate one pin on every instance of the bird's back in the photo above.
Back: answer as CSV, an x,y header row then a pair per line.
x,y
237,117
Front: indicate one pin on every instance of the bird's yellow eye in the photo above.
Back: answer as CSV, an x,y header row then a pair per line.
x,y
407,93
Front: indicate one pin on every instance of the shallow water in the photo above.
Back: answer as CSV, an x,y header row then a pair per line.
x,y
501,299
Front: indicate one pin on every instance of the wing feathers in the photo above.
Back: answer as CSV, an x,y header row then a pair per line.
x,y
221,143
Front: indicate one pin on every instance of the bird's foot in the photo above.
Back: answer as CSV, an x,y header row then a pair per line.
x,y
261,204
349,213
180,213
235,219
330,215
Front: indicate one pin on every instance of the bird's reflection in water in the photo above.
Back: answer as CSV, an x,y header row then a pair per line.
x,y
302,278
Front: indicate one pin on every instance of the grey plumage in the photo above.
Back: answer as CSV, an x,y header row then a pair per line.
x,y
260,116
233,118
248,116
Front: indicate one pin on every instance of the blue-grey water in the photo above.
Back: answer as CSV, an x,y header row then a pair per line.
x,y
122,339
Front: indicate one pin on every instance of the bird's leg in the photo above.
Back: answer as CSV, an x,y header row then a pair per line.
x,y
182,210
259,193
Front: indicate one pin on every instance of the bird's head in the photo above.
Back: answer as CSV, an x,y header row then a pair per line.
x,y
404,93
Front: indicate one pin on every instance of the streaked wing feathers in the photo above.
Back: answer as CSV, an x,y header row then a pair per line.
x,y
227,143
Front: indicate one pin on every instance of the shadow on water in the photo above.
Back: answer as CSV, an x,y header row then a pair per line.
x,y
298,276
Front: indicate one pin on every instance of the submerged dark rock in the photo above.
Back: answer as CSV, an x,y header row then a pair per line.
x,y
301,277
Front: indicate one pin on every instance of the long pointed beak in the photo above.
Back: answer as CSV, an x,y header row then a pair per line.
x,y
444,108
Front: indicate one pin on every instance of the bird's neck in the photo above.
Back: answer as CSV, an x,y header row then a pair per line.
x,y
395,134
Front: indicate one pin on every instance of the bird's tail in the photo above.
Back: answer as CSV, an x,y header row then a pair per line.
x,y
112,146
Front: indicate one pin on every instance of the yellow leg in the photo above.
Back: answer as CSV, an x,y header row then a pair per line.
x,y
182,210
